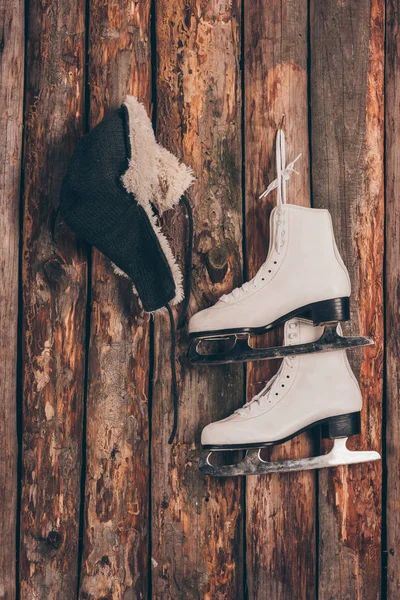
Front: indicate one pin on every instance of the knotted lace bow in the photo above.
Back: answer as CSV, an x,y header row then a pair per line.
x,y
283,172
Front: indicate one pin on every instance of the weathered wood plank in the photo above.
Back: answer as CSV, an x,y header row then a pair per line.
x,y
347,143
197,524
54,305
115,550
392,296
280,509
11,101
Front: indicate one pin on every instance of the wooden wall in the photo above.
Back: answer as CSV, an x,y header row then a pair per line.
x,y
94,503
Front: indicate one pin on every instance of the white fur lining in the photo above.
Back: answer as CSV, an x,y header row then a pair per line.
x,y
119,271
156,176
122,273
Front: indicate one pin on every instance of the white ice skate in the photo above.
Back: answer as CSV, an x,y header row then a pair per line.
x,y
303,276
308,391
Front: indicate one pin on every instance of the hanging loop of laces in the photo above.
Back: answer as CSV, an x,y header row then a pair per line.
x,y
283,174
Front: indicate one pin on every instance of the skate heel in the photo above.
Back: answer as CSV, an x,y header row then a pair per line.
x,y
342,426
331,311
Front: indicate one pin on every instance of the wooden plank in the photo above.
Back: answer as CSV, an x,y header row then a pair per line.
x,y
392,297
54,304
347,150
280,508
11,101
196,534
115,549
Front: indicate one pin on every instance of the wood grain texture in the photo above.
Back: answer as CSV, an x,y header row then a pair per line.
x,y
11,101
347,150
197,547
115,548
280,509
392,297
198,544
54,307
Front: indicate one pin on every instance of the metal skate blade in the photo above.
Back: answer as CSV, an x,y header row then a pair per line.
x,y
217,350
241,351
253,464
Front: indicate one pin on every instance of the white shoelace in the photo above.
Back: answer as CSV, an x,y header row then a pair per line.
x,y
260,400
283,173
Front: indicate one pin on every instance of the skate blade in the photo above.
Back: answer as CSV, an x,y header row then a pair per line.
x,y
241,351
253,464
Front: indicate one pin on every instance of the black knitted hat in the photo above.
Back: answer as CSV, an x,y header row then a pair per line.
x,y
116,175
117,179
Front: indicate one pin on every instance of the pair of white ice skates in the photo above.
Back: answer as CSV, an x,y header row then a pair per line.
x,y
304,284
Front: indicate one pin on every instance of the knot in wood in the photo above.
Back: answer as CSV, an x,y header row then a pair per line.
x,y
104,561
217,263
54,539
54,270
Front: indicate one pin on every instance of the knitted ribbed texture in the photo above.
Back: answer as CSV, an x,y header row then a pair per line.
x,y
96,206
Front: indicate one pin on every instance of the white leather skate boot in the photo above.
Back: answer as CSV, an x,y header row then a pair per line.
x,y
303,276
308,391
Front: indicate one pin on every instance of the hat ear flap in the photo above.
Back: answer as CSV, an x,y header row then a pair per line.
x,y
154,176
